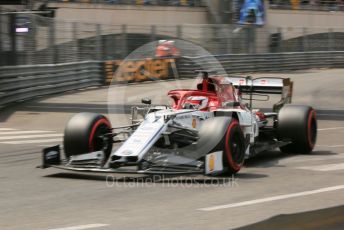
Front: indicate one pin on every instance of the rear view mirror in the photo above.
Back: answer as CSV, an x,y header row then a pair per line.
x,y
146,101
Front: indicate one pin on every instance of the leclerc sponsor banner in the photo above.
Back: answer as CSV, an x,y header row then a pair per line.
x,y
129,71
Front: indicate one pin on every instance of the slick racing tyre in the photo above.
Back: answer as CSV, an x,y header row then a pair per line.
x,y
234,147
84,134
298,124
232,143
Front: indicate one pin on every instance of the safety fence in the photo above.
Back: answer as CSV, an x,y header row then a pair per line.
x,y
324,5
25,82
40,40
136,2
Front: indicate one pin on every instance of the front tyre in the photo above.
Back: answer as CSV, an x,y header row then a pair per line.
x,y
84,133
234,147
297,124
232,142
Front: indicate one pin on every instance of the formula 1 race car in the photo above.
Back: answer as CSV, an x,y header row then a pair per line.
x,y
208,130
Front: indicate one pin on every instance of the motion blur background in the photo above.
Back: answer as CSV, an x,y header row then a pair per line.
x,y
60,31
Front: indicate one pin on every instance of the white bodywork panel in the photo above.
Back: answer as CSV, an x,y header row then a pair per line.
x,y
247,121
154,124
150,130
143,138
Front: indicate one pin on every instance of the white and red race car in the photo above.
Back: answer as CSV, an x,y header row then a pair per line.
x,y
209,130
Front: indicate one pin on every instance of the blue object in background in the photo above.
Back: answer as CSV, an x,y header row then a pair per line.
x,y
252,12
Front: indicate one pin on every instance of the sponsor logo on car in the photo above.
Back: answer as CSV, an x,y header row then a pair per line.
x,y
194,123
211,163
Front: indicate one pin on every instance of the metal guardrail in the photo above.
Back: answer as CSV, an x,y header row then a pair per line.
x,y
25,82
268,62
19,83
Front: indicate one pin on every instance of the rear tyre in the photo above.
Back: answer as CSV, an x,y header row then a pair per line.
x,y
84,133
297,124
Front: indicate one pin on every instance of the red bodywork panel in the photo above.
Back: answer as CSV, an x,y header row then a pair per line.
x,y
210,88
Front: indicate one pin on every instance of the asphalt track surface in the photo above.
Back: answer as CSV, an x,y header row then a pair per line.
x,y
270,184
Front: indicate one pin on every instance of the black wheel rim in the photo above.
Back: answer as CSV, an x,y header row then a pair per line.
x,y
98,140
236,147
313,131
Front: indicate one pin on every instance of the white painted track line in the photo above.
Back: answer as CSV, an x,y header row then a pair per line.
x,y
331,146
299,159
334,128
32,141
24,132
324,168
16,136
273,198
6,129
30,136
80,227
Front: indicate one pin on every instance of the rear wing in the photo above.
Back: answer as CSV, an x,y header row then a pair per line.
x,y
265,85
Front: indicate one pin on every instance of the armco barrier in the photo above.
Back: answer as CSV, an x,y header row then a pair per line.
x,y
24,82
269,62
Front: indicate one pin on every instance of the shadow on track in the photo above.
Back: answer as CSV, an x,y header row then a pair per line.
x,y
263,160
272,158
161,179
329,218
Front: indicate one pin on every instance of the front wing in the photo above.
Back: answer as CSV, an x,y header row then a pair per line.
x,y
52,158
